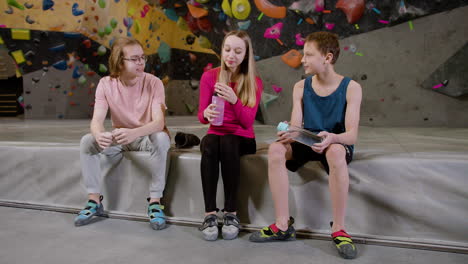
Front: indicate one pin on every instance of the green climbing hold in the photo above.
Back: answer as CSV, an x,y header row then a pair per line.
x,y
102,3
14,3
190,108
82,80
113,23
101,32
101,50
102,68
108,30
182,24
137,26
204,42
86,67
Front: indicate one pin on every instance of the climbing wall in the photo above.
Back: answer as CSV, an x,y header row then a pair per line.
x,y
183,38
72,38
411,74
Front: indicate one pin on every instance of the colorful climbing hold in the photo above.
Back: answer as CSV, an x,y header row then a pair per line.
x,y
60,65
87,43
113,22
244,25
137,26
204,42
299,40
240,9
276,88
102,68
164,52
76,11
101,50
271,10
47,4
273,32
58,48
108,30
76,73
14,3
102,3
29,20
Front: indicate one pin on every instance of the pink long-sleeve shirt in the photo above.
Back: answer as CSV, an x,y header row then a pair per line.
x,y
238,119
130,107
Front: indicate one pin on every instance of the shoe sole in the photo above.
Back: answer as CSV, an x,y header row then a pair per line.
x,y
229,235
156,226
347,254
273,240
210,236
87,221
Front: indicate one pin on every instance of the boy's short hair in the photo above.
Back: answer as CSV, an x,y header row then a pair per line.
x,y
116,54
326,43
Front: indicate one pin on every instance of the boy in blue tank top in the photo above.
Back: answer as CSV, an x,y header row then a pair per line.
x,y
328,104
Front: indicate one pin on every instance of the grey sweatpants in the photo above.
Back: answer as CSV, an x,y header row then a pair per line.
x,y
157,143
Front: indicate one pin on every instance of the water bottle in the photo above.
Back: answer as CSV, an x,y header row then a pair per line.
x,y
299,134
219,102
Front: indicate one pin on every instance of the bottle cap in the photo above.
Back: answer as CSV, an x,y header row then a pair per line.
x,y
282,126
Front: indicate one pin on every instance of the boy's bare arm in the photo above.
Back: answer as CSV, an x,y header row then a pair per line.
x,y
296,114
353,112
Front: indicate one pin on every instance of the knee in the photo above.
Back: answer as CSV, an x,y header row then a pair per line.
x,y
209,145
336,155
160,140
277,152
87,142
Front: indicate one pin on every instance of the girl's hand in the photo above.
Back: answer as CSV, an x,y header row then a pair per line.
x,y
226,92
210,113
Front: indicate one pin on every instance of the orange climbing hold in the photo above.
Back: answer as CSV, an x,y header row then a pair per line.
x,y
292,58
271,10
197,12
354,9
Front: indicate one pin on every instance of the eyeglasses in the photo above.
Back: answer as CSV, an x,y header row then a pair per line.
x,y
142,59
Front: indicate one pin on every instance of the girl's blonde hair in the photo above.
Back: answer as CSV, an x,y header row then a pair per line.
x,y
246,83
117,54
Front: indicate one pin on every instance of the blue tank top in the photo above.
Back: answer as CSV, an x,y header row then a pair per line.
x,y
325,113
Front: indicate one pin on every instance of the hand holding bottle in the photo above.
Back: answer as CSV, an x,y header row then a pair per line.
x,y
226,92
210,112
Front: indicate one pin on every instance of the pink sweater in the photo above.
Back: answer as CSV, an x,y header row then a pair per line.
x,y
238,119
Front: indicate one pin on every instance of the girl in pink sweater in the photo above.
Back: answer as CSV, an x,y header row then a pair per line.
x,y
237,83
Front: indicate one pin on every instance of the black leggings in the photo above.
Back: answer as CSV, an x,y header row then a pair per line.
x,y
226,149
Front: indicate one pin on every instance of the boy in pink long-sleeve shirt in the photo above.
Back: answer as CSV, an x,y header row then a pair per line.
x,y
235,82
135,100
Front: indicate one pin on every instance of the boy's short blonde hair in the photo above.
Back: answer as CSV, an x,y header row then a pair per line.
x,y
326,43
116,54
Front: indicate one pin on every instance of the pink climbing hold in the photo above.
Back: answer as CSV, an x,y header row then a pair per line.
x,y
273,32
329,26
276,88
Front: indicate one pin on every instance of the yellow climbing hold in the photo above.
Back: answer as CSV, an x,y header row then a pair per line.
x,y
241,9
226,8
20,34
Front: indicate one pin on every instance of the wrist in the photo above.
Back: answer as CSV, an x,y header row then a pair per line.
x,y
334,138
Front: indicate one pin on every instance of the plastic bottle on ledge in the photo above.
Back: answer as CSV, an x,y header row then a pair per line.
x,y
219,102
299,134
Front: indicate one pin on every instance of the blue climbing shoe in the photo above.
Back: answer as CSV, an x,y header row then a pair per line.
x,y
156,216
91,209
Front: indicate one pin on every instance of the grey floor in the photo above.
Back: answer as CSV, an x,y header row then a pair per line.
x,y
32,236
